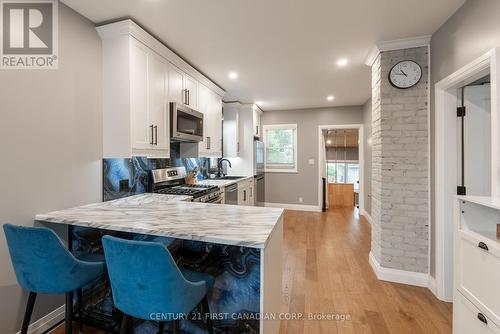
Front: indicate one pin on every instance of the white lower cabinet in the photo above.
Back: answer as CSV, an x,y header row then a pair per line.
x,y
468,319
476,295
246,193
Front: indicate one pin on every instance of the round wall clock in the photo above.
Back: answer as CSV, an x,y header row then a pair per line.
x,y
405,74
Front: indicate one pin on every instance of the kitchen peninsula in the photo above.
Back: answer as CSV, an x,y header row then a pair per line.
x,y
241,246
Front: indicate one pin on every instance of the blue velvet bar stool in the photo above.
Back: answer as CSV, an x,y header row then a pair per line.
x,y
146,282
44,265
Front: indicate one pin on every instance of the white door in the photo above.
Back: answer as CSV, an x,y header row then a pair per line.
x,y
157,75
477,140
141,125
175,84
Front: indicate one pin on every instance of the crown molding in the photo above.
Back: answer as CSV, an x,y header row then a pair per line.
x,y
128,27
396,44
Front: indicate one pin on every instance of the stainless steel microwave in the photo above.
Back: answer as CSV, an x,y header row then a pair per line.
x,y
186,124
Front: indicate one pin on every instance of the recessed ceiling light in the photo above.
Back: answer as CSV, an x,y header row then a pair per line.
x,y
233,75
330,98
328,142
342,62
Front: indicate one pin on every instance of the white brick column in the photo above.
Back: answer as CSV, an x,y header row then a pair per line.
x,y
400,207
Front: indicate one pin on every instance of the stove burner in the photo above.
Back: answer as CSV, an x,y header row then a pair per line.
x,y
195,190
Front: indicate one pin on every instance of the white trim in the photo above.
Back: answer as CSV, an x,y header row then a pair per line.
x,y
298,207
46,322
367,216
129,27
445,163
398,276
361,158
273,168
396,44
432,285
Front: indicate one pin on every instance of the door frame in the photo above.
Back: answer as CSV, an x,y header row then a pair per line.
x,y
446,161
321,162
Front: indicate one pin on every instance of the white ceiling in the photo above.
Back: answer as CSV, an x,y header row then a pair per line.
x,y
285,51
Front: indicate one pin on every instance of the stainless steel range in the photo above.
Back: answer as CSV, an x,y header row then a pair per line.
x,y
171,181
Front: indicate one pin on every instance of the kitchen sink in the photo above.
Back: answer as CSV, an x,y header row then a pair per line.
x,y
229,177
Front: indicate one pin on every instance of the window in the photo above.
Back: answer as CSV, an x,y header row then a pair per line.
x,y
343,172
280,148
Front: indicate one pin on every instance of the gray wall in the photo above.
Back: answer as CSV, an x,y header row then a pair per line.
x,y
367,153
51,135
287,188
470,32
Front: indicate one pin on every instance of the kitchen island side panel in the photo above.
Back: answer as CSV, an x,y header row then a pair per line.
x,y
271,282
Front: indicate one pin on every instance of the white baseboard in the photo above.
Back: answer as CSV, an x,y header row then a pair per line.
x,y
293,207
398,276
46,322
366,215
433,286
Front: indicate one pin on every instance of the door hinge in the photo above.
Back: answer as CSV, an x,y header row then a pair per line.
x,y
460,111
461,190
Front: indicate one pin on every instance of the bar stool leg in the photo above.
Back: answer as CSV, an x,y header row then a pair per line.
x,y
69,312
125,324
175,326
208,316
161,328
28,312
80,309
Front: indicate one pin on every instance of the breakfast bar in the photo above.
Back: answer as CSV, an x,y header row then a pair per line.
x,y
240,246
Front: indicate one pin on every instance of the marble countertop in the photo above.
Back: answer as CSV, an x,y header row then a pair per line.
x,y
163,215
223,183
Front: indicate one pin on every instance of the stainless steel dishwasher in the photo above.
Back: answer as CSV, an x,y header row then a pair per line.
x,y
231,194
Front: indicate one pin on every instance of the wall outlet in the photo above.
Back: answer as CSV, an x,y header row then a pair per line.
x,y
311,161
301,200
124,185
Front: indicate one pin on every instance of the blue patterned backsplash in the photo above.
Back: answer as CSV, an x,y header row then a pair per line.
x,y
133,174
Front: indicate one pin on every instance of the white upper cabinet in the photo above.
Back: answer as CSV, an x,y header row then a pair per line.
x,y
140,77
175,84
210,104
190,92
257,126
232,130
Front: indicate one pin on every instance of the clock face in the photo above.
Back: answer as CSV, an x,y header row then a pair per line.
x,y
405,74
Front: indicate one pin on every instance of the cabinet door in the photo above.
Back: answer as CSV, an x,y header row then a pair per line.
x,y
157,77
140,120
175,84
191,87
204,147
216,131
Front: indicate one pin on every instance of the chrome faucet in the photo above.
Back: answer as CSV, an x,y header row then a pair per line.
x,y
219,166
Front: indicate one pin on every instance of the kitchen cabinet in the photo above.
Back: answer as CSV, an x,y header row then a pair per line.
x,y
246,193
210,104
231,131
257,126
140,77
182,88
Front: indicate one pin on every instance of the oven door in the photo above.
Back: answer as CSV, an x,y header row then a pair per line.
x,y
186,124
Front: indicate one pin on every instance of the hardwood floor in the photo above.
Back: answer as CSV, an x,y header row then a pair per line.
x,y
326,271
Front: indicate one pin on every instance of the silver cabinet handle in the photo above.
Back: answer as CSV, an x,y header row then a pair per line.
x,y
208,143
156,134
152,134
244,195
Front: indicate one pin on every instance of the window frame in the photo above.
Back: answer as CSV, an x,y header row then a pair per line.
x,y
270,168
346,172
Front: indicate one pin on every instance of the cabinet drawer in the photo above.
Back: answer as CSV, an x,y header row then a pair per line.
x,y
466,318
478,272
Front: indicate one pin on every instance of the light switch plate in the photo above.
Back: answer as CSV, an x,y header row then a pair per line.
x,y
311,161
